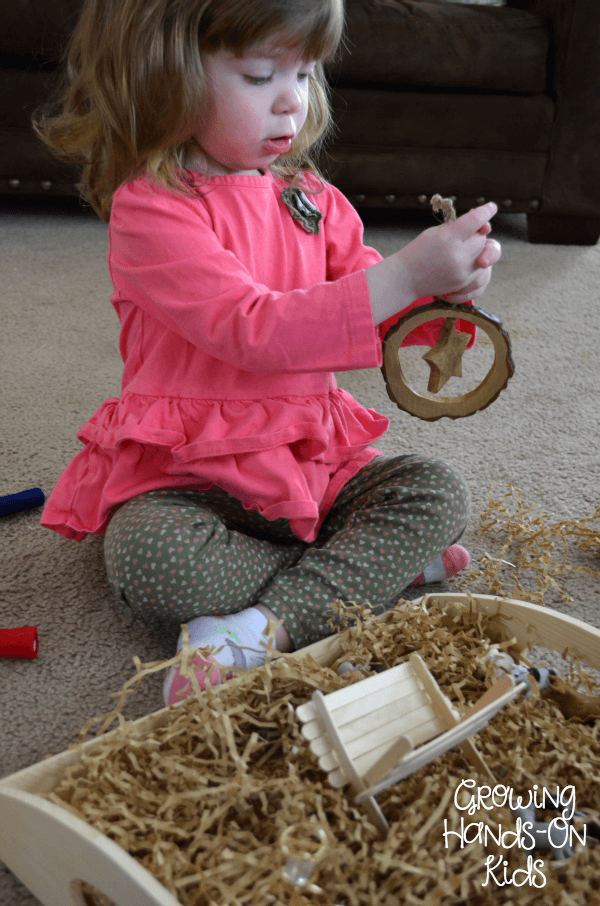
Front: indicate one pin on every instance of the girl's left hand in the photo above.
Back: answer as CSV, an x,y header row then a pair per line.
x,y
490,255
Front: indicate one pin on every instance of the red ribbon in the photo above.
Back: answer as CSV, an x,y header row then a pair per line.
x,y
19,642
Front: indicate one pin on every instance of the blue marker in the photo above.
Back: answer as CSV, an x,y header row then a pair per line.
x,y
24,500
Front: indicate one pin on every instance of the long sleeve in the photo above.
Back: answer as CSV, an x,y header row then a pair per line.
x,y
347,253
167,258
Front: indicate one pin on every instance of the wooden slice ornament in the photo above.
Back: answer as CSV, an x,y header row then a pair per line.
x,y
445,358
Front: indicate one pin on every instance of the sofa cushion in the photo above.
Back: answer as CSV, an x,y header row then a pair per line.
x,y
425,43
431,44
375,118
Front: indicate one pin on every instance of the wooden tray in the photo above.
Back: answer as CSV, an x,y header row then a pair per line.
x,y
63,860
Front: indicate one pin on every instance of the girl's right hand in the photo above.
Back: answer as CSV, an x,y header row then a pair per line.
x,y
453,259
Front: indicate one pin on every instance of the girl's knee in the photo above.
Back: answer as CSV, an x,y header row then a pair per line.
x,y
431,475
431,489
140,539
451,495
450,483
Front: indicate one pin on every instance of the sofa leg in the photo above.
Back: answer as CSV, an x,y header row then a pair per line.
x,y
563,229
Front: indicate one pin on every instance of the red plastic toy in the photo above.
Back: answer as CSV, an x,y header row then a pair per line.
x,y
19,642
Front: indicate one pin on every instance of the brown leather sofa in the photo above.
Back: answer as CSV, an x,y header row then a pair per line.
x,y
470,101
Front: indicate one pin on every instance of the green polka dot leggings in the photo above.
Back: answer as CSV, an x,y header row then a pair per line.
x,y
176,554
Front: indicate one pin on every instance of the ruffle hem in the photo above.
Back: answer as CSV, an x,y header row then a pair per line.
x,y
284,457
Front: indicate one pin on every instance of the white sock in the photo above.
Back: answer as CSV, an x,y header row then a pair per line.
x,y
435,572
235,634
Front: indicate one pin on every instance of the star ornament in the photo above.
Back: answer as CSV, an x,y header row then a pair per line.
x,y
429,405
445,358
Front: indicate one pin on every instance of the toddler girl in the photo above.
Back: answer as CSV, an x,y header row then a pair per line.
x,y
234,482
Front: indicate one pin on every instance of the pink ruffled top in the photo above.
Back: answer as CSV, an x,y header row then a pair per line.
x,y
233,320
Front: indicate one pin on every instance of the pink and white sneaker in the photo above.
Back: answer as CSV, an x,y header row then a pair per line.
x,y
177,687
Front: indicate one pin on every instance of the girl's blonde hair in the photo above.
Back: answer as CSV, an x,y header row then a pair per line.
x,y
133,78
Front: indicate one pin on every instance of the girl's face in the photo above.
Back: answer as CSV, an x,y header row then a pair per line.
x,y
257,105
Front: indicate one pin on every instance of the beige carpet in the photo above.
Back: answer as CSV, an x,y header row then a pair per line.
x,y
59,362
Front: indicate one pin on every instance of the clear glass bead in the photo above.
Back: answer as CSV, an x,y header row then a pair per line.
x,y
299,871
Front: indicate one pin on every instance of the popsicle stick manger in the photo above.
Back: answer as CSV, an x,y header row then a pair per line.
x,y
367,734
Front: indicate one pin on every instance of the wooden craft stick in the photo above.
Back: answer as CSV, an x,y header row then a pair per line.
x,y
439,701
336,740
503,685
388,760
356,781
